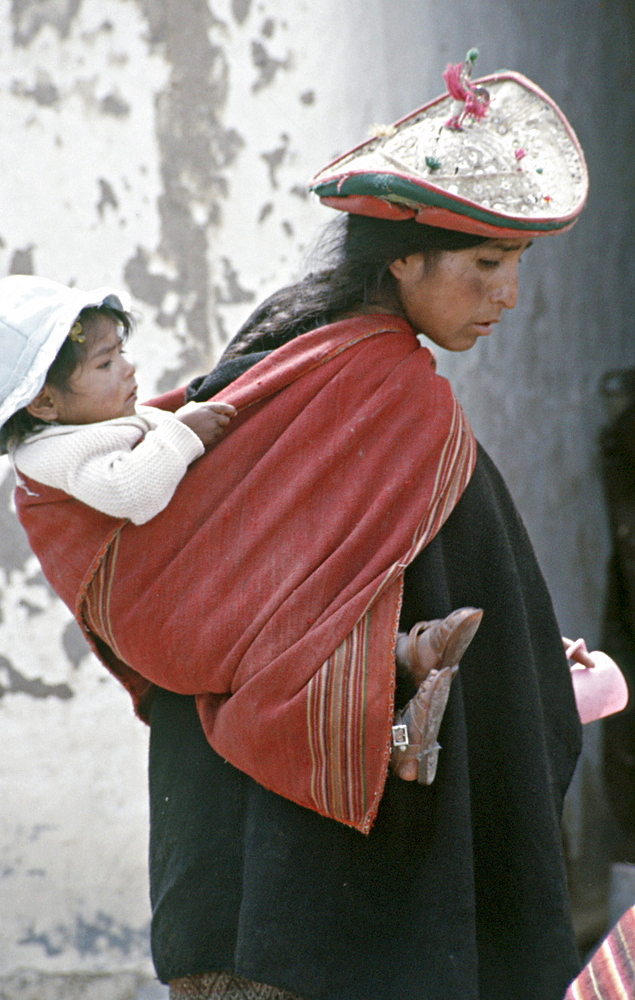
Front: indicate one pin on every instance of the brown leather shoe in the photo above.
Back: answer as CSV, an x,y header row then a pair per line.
x,y
436,644
418,754
430,654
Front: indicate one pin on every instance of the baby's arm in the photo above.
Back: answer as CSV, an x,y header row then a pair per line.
x,y
108,467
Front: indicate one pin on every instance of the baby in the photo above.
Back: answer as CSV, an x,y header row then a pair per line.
x,y
83,432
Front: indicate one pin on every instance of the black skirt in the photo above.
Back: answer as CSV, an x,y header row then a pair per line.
x,y
459,890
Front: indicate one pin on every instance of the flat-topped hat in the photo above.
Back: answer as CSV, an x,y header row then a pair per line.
x,y
494,157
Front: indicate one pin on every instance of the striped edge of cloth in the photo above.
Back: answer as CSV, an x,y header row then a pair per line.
x,y
610,973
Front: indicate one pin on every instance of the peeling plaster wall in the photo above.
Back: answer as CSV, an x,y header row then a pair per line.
x,y
80,184
162,147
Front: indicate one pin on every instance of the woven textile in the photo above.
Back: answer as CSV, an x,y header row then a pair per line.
x,y
224,986
610,975
270,586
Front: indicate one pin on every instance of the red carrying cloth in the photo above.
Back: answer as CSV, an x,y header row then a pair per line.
x,y
270,587
610,975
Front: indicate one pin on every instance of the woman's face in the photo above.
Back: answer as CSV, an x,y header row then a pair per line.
x,y
458,296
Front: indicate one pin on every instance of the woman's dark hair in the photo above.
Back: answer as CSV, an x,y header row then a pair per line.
x,y
359,251
68,359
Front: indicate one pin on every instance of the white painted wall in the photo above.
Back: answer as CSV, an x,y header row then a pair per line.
x,y
162,147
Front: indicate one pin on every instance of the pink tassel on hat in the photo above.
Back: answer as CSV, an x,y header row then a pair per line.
x,y
475,100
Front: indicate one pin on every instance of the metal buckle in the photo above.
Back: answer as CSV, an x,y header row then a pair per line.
x,y
400,736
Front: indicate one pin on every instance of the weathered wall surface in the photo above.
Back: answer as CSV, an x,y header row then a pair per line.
x,y
162,147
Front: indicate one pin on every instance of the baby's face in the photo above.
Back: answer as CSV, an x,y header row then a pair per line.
x,y
104,386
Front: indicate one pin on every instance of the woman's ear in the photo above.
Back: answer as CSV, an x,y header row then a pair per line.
x,y
407,268
43,407
399,267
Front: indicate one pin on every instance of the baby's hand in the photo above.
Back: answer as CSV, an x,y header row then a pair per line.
x,y
207,420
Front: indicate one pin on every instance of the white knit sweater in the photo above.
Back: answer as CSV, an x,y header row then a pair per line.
x,y
127,467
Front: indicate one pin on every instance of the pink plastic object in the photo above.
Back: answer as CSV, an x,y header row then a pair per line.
x,y
599,690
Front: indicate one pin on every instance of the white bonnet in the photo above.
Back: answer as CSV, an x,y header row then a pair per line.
x,y
36,316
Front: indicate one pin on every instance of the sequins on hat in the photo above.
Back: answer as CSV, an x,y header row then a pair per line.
x,y
494,157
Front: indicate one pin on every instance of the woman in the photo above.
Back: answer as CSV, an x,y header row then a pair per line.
x,y
458,890
347,502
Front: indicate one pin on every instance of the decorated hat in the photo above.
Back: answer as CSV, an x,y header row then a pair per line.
x,y
36,316
494,157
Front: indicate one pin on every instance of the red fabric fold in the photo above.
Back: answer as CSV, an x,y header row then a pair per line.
x,y
270,586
